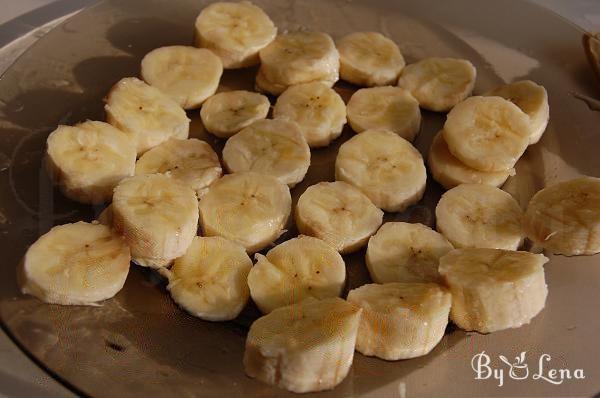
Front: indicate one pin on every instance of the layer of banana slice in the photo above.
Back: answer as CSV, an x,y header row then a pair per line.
x,y
190,161
89,159
316,108
303,347
273,147
385,167
236,32
248,208
388,108
439,83
477,215
75,264
339,214
564,218
157,215
188,75
295,270
225,114
532,99
369,59
487,133
147,115
400,320
494,289
405,252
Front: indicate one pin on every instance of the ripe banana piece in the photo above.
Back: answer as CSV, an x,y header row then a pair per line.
x,y
187,75
248,208
157,215
476,215
147,115
273,147
405,252
190,161
89,159
295,270
339,214
75,264
487,133
564,218
439,83
236,32
400,320
303,347
494,289
225,114
316,108
385,167
369,59
385,108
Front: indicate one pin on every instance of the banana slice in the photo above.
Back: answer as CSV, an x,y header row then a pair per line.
x,y
400,320
450,172
476,215
295,270
225,114
190,161
439,83
386,108
532,99
385,167
303,347
75,264
236,32
89,159
147,115
317,109
404,252
157,215
369,59
494,289
188,75
273,147
339,214
487,133
248,208
564,218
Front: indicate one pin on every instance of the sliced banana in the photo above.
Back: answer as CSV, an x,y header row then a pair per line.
x,y
369,59
295,270
225,114
273,147
75,264
532,99
405,252
387,108
487,133
385,167
190,161
439,83
236,32
316,108
564,218
89,159
400,320
157,215
248,208
147,115
494,289
303,347
477,215
339,214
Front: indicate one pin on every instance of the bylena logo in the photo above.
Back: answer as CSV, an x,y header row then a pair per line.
x,y
519,369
